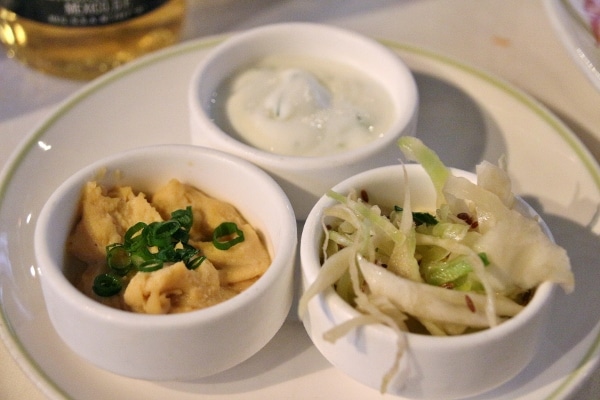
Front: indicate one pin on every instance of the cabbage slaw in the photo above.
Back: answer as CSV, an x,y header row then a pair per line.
x,y
468,265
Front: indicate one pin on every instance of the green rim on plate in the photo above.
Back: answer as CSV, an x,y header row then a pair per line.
x,y
49,387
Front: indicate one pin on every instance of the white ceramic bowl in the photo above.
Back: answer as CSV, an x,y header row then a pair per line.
x,y
440,367
177,346
305,179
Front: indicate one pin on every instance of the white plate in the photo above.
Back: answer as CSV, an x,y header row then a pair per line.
x,y
466,115
573,27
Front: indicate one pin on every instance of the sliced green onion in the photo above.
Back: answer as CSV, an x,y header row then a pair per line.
x,y
184,217
160,234
167,254
420,218
148,247
222,236
484,258
134,236
118,259
150,265
106,285
140,255
195,262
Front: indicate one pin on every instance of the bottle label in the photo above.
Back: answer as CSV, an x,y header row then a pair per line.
x,y
81,12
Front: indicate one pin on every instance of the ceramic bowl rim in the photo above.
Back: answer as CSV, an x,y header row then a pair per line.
x,y
52,273
335,304
402,120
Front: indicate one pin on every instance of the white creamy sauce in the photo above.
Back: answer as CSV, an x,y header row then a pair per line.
x,y
302,106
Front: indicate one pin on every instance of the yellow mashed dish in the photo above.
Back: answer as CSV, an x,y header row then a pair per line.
x,y
107,216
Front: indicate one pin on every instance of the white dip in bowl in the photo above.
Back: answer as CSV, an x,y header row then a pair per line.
x,y
311,104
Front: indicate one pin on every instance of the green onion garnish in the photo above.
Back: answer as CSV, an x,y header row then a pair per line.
x,y
227,235
160,234
107,285
420,218
484,258
195,262
184,217
150,265
118,259
134,239
148,247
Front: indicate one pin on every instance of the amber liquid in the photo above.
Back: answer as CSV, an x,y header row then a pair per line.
x,y
87,52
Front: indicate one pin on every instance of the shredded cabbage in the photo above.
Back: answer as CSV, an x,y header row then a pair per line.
x,y
471,264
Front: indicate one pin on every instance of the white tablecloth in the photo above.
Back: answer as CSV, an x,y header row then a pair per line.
x,y
513,39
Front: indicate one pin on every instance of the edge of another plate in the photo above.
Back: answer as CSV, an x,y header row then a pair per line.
x,y
576,36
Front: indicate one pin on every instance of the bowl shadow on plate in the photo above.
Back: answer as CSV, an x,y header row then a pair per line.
x,y
289,355
452,124
573,317
589,139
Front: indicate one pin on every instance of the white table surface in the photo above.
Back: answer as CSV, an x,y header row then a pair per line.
x,y
512,39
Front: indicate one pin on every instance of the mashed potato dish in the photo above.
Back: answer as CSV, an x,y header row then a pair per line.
x,y
172,251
